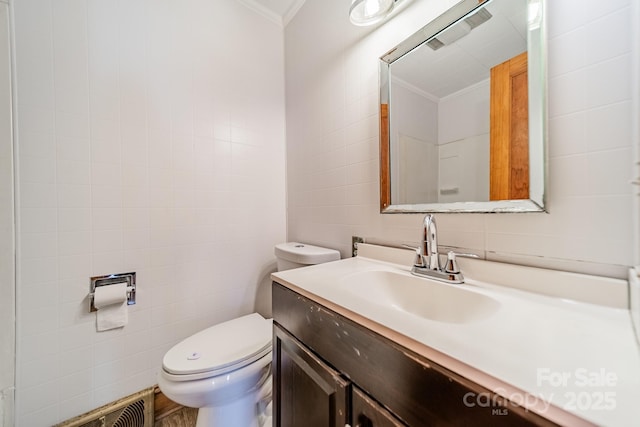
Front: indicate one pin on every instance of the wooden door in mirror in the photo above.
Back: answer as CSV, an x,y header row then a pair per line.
x,y
509,115
385,179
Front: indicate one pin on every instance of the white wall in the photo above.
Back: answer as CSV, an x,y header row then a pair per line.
x,y
7,270
332,138
413,136
451,134
463,139
634,285
464,166
464,113
150,139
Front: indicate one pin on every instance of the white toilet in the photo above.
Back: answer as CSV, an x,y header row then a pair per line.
x,y
225,370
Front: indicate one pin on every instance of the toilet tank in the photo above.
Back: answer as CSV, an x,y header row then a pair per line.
x,y
294,255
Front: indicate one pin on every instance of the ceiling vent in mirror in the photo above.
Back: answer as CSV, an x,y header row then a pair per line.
x,y
369,12
459,29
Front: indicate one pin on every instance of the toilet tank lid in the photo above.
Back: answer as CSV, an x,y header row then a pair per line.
x,y
220,346
305,254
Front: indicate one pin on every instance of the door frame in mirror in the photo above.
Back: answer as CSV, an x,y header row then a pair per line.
x,y
536,46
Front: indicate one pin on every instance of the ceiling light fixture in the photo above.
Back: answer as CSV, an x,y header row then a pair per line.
x,y
369,12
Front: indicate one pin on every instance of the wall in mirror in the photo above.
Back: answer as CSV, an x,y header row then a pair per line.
x,y
462,112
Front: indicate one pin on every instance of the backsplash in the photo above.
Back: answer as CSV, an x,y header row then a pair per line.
x,y
151,139
332,137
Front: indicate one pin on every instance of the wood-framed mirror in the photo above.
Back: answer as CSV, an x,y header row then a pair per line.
x,y
463,112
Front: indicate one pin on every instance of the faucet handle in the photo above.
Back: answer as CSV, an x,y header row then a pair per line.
x,y
452,265
418,261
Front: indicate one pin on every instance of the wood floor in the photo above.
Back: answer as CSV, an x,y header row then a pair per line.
x,y
184,417
168,413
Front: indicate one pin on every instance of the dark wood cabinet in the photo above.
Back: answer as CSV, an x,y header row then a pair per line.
x,y
331,371
366,412
309,392
306,391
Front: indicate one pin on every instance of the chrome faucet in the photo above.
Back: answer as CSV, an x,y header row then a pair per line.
x,y
427,256
427,261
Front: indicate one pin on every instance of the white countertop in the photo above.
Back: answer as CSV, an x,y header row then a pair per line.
x,y
582,358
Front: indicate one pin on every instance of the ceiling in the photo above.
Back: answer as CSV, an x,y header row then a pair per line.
x,y
279,11
469,60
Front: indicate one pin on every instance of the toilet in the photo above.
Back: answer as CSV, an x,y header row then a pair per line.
x,y
225,370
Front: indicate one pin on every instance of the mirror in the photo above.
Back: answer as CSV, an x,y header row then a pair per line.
x,y
463,112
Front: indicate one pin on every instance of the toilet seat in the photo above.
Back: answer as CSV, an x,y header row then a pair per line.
x,y
219,349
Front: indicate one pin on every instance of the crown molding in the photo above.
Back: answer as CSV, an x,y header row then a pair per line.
x,y
289,14
414,89
281,21
261,10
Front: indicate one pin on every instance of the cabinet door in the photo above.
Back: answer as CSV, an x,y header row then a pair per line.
x,y
307,392
368,413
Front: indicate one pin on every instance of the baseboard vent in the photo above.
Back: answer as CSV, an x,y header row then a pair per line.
x,y
131,411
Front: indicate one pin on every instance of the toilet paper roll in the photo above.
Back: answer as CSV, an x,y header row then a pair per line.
x,y
111,302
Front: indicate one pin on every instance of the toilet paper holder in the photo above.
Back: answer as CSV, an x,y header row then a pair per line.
x,y
112,279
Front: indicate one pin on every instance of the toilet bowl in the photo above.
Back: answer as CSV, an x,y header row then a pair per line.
x,y
225,370
220,370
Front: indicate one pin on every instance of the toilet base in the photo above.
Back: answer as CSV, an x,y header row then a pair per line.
x,y
251,410
235,413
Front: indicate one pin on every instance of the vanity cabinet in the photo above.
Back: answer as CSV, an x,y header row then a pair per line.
x,y
332,371
311,393
307,388
366,412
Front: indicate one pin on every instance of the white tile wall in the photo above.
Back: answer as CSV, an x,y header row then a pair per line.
x,y
634,285
7,270
151,139
331,67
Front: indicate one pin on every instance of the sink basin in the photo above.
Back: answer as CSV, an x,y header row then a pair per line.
x,y
425,298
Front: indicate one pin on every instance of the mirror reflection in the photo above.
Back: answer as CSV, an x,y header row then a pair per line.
x,y
455,113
